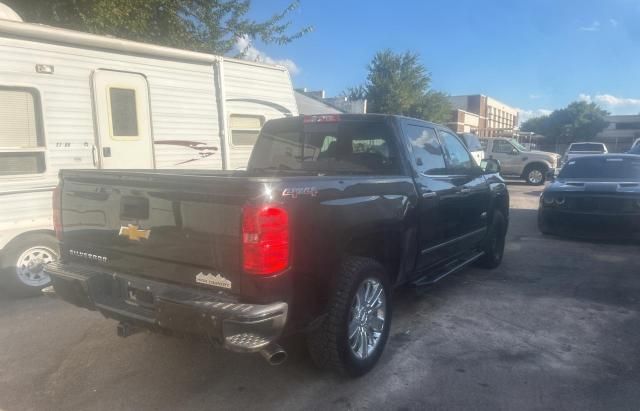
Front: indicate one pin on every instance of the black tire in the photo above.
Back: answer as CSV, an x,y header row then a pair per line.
x,y
328,342
10,278
494,243
529,172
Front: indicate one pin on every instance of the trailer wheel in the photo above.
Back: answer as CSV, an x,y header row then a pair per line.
x,y
22,266
351,337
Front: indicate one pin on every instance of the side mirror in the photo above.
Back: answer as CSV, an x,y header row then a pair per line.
x,y
490,166
514,152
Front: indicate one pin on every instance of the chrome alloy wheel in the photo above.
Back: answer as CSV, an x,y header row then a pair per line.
x,y
367,318
30,265
535,176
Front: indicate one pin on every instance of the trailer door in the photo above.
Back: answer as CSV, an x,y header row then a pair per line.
x,y
123,120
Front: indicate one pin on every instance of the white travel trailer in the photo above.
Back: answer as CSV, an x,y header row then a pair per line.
x,y
75,100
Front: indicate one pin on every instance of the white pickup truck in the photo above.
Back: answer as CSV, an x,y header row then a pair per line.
x,y
518,161
583,149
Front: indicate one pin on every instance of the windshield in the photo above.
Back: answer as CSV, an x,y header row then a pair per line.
x,y
602,167
518,145
343,147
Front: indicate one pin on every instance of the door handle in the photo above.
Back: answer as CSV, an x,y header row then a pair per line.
x,y
429,194
465,191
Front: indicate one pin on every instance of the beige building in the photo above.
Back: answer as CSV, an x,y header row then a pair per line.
x,y
482,115
620,133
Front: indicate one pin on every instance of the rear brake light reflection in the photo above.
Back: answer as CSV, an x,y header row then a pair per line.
x,y
323,118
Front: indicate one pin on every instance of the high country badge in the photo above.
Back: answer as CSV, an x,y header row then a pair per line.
x,y
215,280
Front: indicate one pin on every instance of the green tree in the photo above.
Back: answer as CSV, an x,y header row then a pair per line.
x,y
203,25
579,121
356,93
400,84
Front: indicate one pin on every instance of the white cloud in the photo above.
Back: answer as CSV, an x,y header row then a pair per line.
x,y
595,26
524,115
614,104
614,23
585,97
249,52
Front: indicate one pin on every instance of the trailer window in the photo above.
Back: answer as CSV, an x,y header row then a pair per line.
x,y
124,113
245,129
21,137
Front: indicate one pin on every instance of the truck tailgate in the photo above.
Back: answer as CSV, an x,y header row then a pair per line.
x,y
182,228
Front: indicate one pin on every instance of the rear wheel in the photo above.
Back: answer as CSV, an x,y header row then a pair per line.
x,y
494,243
23,261
352,336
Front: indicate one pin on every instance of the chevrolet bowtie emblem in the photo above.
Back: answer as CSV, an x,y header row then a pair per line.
x,y
133,233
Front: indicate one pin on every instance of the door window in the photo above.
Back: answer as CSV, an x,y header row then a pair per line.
x,y
503,147
245,129
21,137
426,149
458,157
124,114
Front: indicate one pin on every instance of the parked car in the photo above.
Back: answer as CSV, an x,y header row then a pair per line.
x,y
595,196
332,213
635,150
473,144
520,162
583,149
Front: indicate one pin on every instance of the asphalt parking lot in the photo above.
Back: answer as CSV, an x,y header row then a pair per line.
x,y
557,326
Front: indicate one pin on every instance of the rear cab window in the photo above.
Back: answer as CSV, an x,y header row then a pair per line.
x,y
602,167
590,147
332,146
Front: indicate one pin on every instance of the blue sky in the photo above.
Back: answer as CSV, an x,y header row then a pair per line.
x,y
533,55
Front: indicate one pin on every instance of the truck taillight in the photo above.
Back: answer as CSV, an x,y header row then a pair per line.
x,y
265,239
57,212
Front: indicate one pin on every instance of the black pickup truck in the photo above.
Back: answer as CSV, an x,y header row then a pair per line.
x,y
331,214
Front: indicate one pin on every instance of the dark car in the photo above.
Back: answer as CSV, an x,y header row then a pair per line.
x,y
594,196
331,214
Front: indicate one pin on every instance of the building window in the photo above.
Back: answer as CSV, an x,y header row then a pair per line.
x,y
22,148
627,126
245,129
124,113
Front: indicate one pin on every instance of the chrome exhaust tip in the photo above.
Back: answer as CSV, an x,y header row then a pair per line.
x,y
274,354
